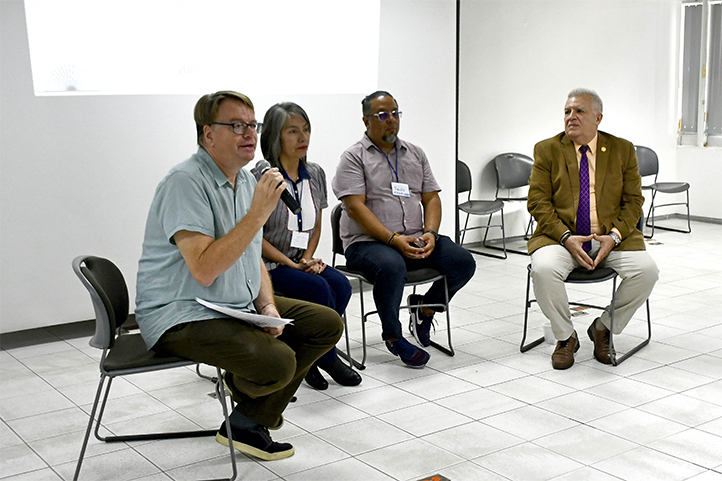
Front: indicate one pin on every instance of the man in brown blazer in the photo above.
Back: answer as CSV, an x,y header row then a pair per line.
x,y
608,237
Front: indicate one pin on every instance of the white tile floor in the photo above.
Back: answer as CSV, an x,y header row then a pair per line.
x,y
489,413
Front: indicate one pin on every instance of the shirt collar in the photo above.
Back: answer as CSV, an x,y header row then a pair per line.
x,y
368,143
592,145
218,174
302,172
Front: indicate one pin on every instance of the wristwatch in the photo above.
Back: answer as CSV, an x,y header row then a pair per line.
x,y
616,238
564,238
434,233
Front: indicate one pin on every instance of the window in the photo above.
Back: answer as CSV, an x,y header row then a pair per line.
x,y
701,74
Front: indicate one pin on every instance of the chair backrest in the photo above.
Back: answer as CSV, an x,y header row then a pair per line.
x,y
463,178
336,232
512,170
109,293
647,161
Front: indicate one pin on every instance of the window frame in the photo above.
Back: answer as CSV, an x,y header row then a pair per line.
x,y
695,130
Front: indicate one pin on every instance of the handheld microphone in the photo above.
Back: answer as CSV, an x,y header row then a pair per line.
x,y
286,196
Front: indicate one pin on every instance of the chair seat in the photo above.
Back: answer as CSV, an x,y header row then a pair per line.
x,y
422,275
351,272
670,187
417,276
481,207
581,275
130,353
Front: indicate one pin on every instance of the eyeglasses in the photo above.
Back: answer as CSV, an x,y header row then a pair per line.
x,y
384,116
239,128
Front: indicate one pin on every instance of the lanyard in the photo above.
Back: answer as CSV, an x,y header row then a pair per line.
x,y
298,195
395,170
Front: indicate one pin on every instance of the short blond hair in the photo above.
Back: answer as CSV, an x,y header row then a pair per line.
x,y
206,110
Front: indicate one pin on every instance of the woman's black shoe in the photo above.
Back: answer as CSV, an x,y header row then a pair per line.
x,y
315,379
343,374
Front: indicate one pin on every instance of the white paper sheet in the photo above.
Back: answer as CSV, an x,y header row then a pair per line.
x,y
257,320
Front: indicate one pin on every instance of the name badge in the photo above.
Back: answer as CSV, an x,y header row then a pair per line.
x,y
400,189
299,240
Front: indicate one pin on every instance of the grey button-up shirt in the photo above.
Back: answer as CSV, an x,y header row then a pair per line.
x,y
365,169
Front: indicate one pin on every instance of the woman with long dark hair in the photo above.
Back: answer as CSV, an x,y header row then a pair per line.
x,y
290,240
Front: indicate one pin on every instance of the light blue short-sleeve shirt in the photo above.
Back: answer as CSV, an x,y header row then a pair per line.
x,y
195,196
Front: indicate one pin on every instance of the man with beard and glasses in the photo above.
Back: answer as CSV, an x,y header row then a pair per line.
x,y
390,222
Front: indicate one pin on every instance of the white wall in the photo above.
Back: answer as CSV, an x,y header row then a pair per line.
x,y
78,174
520,58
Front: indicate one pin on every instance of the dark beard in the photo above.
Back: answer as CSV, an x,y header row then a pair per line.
x,y
389,138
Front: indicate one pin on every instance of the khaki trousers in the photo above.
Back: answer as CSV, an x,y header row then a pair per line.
x,y
552,264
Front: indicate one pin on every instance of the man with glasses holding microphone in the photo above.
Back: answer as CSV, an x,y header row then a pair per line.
x,y
203,241
390,222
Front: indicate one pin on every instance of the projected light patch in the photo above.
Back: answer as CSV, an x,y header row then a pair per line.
x,y
81,47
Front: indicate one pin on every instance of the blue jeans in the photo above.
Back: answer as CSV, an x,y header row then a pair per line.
x,y
388,269
330,288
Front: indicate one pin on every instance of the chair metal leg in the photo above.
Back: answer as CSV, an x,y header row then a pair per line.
x,y
652,208
529,228
221,393
203,376
612,352
525,347
90,427
463,231
689,225
617,361
100,413
484,240
449,351
503,238
650,214
347,355
348,341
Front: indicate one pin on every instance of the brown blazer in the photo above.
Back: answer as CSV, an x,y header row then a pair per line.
x,y
554,190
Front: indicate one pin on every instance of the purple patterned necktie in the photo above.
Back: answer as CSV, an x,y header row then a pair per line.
x,y
584,224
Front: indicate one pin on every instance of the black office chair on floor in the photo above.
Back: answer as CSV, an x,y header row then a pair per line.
x,y
477,207
512,173
125,353
583,276
415,278
649,165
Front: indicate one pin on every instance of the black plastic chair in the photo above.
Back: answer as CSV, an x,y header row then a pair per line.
x,y
477,207
415,278
584,276
125,353
649,165
512,173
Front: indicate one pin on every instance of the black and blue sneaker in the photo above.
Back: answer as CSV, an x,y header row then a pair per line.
x,y
255,441
409,354
419,323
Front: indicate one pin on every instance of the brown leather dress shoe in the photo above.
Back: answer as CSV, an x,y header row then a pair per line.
x,y
563,356
600,338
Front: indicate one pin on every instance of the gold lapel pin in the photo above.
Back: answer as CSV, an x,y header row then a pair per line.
x,y
604,149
